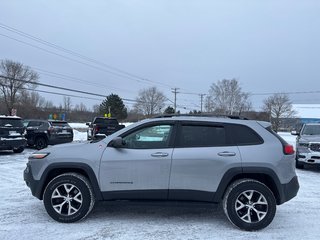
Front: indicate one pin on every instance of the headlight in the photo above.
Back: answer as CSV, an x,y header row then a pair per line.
x,y
38,155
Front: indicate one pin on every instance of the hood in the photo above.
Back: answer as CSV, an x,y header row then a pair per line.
x,y
310,138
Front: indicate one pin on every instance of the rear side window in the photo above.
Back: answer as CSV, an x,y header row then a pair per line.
x,y
243,135
202,136
10,122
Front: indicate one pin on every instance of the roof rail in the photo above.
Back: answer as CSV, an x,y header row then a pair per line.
x,y
201,115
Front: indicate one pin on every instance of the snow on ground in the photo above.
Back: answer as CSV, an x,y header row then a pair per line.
x,y
22,216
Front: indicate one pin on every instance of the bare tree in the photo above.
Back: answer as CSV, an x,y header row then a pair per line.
x,y
67,104
80,108
226,97
278,106
14,78
150,101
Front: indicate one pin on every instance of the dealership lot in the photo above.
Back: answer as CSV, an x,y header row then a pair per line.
x,y
23,216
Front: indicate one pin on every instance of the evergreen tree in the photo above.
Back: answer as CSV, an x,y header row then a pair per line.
x,y
114,106
169,110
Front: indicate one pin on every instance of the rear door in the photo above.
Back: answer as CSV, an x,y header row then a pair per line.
x,y
141,169
202,155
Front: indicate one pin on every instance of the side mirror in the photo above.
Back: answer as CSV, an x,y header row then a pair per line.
x,y
88,123
117,142
294,133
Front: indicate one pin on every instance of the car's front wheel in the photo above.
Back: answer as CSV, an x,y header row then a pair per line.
x,y
249,204
68,197
298,164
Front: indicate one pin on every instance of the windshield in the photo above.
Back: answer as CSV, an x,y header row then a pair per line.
x,y
60,124
106,121
311,130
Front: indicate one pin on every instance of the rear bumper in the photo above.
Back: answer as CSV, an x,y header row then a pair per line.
x,y
56,139
9,144
289,190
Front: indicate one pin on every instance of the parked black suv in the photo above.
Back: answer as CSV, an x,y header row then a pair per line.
x,y
101,127
12,134
41,133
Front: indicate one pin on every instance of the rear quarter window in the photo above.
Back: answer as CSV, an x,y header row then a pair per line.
x,y
243,135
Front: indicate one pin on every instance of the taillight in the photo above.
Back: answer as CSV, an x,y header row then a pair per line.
x,y
51,129
288,149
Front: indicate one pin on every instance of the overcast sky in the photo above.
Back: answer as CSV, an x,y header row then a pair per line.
x,y
268,46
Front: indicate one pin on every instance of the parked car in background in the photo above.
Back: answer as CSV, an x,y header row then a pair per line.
x,y
12,134
41,133
308,145
101,127
242,164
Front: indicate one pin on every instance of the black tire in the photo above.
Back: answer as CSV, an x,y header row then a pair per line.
x,y
68,197
40,143
299,165
249,204
18,150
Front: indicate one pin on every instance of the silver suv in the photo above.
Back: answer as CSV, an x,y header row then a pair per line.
x,y
308,145
242,164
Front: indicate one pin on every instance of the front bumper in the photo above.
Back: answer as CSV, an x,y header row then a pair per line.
x,y
308,157
34,185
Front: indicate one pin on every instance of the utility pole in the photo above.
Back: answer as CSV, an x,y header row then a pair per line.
x,y
175,91
201,100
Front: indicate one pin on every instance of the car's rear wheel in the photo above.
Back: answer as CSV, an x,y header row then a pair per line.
x,y
40,143
18,150
68,197
249,204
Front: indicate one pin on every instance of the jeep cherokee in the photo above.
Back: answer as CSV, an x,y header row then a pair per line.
x,y
242,164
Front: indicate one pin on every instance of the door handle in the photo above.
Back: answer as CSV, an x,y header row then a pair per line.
x,y
226,154
159,154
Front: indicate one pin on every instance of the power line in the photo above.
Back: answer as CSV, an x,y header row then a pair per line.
x,y
66,89
305,92
115,71
75,79
61,88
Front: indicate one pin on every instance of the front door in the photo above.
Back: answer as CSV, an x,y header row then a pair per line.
x,y
140,169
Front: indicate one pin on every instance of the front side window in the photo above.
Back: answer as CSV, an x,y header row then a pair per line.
x,y
150,137
202,136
